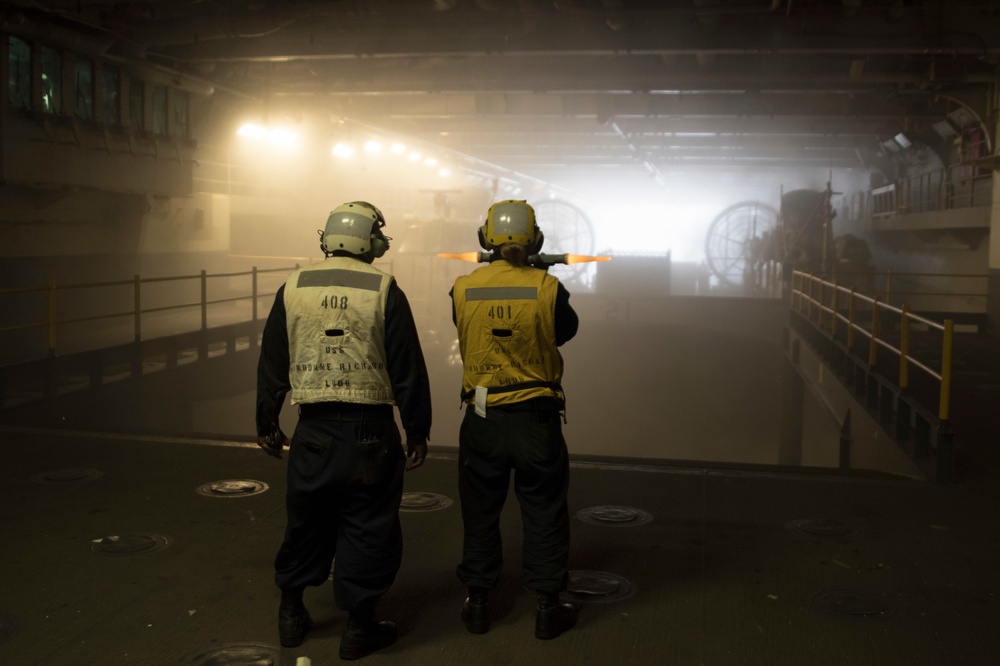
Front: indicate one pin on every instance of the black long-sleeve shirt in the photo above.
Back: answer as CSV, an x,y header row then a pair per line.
x,y
405,364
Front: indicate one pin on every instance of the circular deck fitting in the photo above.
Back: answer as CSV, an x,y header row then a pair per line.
x,y
600,586
615,516
62,477
824,527
851,603
241,654
130,544
424,502
232,488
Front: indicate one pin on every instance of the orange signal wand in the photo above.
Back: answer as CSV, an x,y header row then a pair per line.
x,y
474,257
579,258
536,260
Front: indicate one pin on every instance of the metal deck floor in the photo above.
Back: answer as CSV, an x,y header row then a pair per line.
x,y
734,567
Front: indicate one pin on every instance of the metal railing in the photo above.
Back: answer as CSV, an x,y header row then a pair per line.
x,y
934,191
863,329
53,307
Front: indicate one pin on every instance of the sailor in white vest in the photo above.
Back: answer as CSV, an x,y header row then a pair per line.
x,y
341,339
511,320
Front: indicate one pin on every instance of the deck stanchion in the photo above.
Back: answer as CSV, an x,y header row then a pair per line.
x,y
845,441
945,448
52,317
253,288
902,400
137,305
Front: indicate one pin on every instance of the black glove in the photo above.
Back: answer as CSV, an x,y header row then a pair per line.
x,y
274,442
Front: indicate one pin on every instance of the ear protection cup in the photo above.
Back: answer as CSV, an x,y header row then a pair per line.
x,y
539,241
380,244
482,238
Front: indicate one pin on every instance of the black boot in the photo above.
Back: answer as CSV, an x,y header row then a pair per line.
x,y
363,635
553,617
475,611
293,619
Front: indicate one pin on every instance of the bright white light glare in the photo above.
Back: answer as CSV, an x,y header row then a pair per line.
x,y
252,131
282,137
373,147
414,156
444,173
655,228
398,148
342,150
430,161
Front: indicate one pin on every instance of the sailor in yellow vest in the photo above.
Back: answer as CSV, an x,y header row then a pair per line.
x,y
511,319
341,338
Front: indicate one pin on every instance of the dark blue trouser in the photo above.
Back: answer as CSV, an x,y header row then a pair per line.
x,y
529,442
345,481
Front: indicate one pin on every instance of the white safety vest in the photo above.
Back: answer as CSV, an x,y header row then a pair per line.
x,y
335,312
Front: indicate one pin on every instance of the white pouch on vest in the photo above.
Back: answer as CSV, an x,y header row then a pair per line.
x,y
481,392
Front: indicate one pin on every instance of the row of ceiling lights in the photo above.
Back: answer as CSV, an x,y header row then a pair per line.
x,y
342,149
480,173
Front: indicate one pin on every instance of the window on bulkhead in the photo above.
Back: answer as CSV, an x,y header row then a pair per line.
x,y
136,103
19,68
111,94
83,70
179,128
51,80
159,109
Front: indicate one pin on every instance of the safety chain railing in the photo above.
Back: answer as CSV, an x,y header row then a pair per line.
x,y
861,328
50,318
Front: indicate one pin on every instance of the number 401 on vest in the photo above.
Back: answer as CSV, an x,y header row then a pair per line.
x,y
499,312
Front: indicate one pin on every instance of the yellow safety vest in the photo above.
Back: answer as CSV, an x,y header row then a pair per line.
x,y
506,333
335,312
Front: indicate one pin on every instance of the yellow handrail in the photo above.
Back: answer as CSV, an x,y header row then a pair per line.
x,y
53,320
802,299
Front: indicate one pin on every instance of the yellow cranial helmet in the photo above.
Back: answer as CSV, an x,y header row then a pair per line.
x,y
510,221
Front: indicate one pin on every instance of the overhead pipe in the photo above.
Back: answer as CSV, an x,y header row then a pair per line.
x,y
769,52
725,10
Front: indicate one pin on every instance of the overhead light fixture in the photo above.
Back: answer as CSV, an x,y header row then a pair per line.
x,y
373,147
282,137
398,148
413,156
252,131
430,161
903,141
343,150
945,128
890,146
278,136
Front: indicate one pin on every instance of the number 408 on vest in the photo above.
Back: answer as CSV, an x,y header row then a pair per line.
x,y
334,302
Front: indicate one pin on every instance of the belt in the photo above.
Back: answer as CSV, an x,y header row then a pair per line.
x,y
493,390
344,411
543,404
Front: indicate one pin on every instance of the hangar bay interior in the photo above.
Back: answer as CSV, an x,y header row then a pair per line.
x,y
780,402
